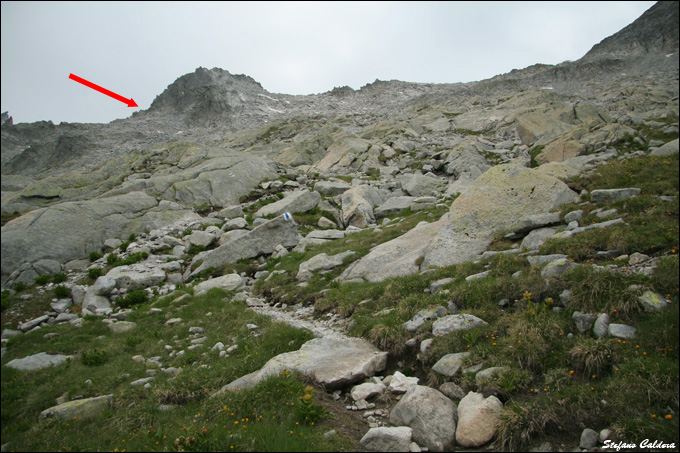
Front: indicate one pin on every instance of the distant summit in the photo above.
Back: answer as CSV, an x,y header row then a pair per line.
x,y
208,97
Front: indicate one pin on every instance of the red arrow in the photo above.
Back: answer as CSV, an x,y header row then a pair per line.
x,y
130,102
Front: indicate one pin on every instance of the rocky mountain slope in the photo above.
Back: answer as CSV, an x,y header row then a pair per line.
x,y
401,213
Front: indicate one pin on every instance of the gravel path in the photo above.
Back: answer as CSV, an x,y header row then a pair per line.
x,y
301,317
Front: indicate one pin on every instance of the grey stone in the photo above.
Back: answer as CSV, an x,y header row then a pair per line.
x,y
393,205
333,362
601,326
142,381
50,267
604,195
584,321
82,408
297,201
421,203
61,305
450,364
228,282
621,331
452,323
235,224
668,149
325,234
323,261
652,301
388,439
366,391
401,383
543,259
589,439
326,223
420,185
331,188
230,212
423,316
65,317
358,203
488,373
565,296
37,361
557,268
602,225
28,325
478,419
451,390
637,258
9,333
104,285
262,240
606,213
573,216
136,276
92,302
121,326
437,285
477,276
111,244
201,238
430,414
536,238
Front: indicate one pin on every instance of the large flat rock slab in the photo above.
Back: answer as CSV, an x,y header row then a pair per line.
x,y
69,231
333,362
501,199
79,408
37,361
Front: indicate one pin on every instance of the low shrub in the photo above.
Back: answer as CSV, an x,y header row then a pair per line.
x,y
134,298
94,256
95,357
59,278
19,286
42,280
62,292
112,258
95,273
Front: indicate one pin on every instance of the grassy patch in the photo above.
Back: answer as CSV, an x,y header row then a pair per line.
x,y
263,418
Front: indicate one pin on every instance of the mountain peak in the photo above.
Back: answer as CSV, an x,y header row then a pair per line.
x,y
655,32
206,96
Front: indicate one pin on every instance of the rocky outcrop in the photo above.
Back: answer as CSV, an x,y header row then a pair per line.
x,y
262,240
497,201
72,230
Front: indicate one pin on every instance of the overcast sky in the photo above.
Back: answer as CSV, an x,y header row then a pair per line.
x,y
138,49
